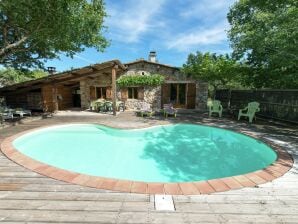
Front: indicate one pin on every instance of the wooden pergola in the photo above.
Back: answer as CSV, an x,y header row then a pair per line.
x,y
50,83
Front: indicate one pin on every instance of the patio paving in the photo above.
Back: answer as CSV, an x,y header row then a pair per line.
x,y
26,196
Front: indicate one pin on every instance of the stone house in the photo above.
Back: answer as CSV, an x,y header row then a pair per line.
x,y
77,88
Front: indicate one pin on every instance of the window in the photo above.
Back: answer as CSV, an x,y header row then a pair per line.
x,y
101,92
132,92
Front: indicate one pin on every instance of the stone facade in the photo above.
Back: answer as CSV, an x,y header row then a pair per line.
x,y
152,95
201,95
146,68
85,84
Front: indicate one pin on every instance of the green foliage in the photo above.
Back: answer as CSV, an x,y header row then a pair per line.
x,y
220,71
265,35
9,76
141,80
34,30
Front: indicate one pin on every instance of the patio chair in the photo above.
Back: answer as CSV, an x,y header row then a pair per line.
x,y
168,109
120,106
100,106
108,106
21,112
145,110
6,113
215,107
93,105
249,111
1,119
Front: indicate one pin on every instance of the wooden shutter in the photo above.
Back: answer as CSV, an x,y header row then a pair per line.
x,y
140,93
191,95
109,93
166,92
124,94
92,93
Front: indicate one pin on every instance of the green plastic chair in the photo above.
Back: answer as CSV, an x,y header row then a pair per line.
x,y
249,111
215,107
100,106
109,106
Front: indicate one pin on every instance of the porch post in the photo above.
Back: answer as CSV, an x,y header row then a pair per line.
x,y
114,93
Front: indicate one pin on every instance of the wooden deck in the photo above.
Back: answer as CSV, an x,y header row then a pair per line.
x,y
27,197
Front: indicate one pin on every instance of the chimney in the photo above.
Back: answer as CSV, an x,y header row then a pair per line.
x,y
51,70
152,56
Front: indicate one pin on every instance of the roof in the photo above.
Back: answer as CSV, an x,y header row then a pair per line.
x,y
67,75
77,73
150,62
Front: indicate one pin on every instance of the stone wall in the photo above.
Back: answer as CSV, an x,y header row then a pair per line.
x,y
152,96
201,96
100,81
143,68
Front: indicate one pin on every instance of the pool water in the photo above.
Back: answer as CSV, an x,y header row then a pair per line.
x,y
170,153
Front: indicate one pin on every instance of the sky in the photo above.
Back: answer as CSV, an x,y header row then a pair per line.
x,y
173,29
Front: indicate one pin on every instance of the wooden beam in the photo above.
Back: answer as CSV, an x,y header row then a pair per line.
x,y
54,79
114,96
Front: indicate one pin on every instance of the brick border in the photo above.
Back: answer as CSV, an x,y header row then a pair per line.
x,y
282,165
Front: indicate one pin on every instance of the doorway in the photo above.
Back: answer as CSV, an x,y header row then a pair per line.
x,y
178,94
181,95
76,97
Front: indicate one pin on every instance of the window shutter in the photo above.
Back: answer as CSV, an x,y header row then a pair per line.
x,y
124,94
109,92
166,93
92,93
191,96
140,93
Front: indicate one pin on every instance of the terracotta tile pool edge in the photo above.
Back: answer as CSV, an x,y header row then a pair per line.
x,y
281,166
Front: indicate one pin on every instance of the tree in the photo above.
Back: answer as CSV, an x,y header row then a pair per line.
x,y
34,30
9,76
264,34
221,71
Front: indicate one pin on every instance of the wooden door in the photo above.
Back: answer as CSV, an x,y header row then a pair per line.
x,y
191,96
165,94
92,93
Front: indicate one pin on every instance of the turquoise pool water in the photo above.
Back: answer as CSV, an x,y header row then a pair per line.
x,y
171,153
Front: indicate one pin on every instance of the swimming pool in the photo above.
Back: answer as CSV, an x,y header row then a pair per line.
x,y
169,153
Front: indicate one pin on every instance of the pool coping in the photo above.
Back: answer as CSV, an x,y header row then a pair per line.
x,y
281,166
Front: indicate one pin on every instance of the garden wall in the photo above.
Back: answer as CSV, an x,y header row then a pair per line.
x,y
277,104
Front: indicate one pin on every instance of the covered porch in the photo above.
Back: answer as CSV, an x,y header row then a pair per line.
x,y
70,89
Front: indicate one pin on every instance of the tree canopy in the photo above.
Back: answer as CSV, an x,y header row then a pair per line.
x,y
34,30
219,70
264,34
9,76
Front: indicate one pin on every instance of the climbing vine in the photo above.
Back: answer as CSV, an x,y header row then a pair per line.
x,y
140,80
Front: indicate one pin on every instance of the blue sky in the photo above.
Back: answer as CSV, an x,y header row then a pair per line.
x,y
172,28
